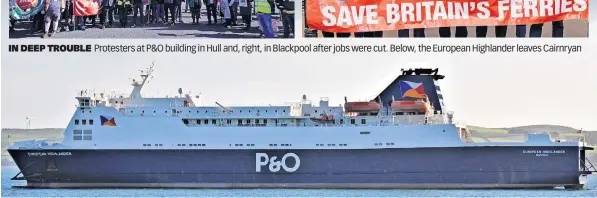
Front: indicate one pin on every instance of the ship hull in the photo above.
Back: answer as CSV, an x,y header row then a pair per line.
x,y
458,167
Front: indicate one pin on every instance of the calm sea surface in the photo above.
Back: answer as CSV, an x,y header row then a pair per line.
x,y
8,191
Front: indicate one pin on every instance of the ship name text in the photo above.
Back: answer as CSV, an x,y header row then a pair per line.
x,y
48,153
543,153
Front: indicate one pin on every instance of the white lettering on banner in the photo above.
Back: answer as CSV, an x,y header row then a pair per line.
x,y
427,10
262,159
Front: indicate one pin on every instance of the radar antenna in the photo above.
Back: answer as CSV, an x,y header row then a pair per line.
x,y
146,75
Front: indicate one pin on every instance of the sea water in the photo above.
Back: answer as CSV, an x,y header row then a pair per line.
x,y
9,171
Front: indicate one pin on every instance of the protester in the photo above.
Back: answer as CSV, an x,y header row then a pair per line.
x,y
67,15
211,11
461,32
53,9
417,33
225,8
169,8
159,11
234,11
287,10
138,8
123,7
245,11
264,15
195,6
177,10
557,29
107,14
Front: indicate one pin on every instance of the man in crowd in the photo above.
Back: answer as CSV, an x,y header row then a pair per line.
x,y
107,15
169,8
246,10
264,15
195,6
557,29
417,33
67,15
138,7
53,9
234,11
446,32
211,11
123,9
286,8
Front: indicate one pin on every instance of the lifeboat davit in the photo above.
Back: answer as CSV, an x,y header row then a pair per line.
x,y
361,106
404,105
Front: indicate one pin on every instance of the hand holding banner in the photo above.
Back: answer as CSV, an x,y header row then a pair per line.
x,y
86,7
379,15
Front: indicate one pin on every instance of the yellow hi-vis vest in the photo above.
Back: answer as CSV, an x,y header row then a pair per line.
x,y
125,2
262,6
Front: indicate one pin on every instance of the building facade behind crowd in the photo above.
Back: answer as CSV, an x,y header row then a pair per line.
x,y
57,15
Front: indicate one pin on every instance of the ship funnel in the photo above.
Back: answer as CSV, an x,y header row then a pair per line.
x,y
345,99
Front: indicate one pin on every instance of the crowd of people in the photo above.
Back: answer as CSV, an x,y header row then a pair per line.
x,y
58,15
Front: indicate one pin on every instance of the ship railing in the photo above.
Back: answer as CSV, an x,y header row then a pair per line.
x,y
585,168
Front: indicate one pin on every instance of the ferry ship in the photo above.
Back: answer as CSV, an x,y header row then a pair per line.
x,y
403,138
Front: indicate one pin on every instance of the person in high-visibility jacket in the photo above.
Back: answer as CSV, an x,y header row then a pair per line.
x,y
287,9
123,9
264,15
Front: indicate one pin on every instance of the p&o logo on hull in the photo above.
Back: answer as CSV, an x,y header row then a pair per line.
x,y
275,165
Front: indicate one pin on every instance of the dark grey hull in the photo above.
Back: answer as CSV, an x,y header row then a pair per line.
x,y
464,167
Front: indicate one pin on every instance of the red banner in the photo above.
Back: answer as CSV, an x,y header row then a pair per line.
x,y
26,4
86,7
379,15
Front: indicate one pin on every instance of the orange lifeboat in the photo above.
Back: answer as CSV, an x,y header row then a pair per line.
x,y
323,118
361,106
405,105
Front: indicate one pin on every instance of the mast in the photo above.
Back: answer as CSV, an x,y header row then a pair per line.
x,y
138,85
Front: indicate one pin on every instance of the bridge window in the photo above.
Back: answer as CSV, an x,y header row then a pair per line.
x,y
205,121
185,121
90,122
239,121
363,121
213,122
352,121
83,122
76,122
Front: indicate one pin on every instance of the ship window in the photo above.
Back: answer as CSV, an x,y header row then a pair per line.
x,y
315,111
155,144
249,111
178,144
283,110
341,121
202,144
205,121
87,132
352,121
264,121
363,121
83,122
241,144
228,121
213,121
90,122
239,121
184,145
76,122
240,111
276,111
185,121
257,111
160,144
256,121
276,121
365,132
77,132
265,111
248,121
